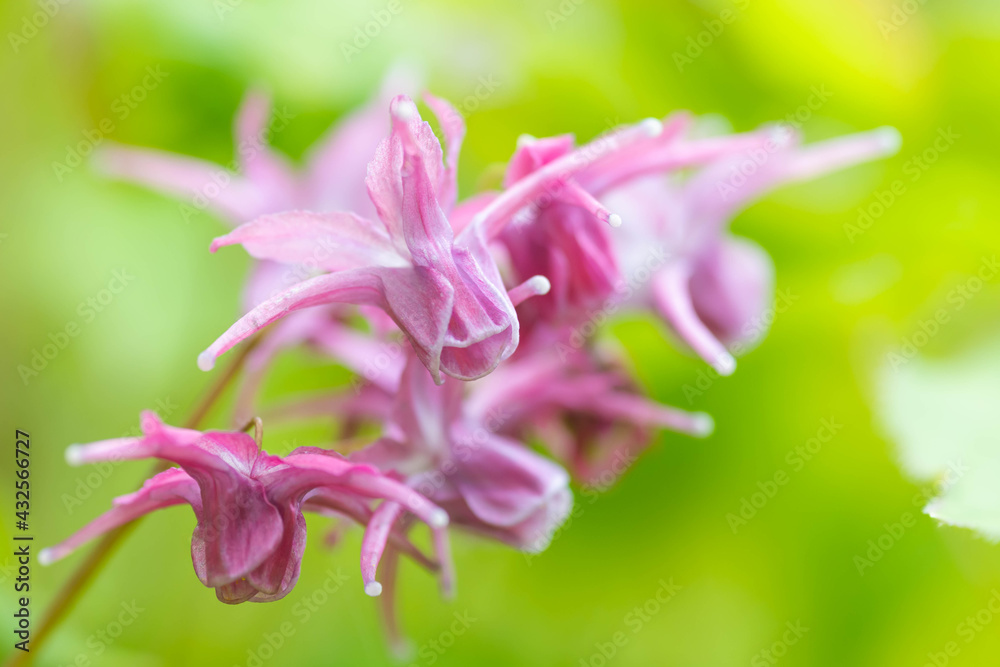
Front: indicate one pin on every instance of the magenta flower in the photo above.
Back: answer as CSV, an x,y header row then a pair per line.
x,y
444,291
488,483
708,287
251,534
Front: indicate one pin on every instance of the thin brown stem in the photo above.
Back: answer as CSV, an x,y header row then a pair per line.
x,y
81,577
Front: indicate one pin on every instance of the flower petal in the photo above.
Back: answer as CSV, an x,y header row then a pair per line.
x,y
170,487
419,300
327,241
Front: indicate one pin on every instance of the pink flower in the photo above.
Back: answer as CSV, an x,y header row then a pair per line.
x,y
713,289
489,484
261,181
251,534
441,288
710,288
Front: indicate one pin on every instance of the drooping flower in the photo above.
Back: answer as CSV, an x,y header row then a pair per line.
x,y
713,290
489,484
442,288
709,287
251,534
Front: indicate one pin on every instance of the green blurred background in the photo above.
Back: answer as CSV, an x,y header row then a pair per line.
x,y
924,67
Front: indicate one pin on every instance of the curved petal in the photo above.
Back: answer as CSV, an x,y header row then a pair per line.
x,y
327,241
202,184
418,300
731,288
453,127
170,487
504,483
672,297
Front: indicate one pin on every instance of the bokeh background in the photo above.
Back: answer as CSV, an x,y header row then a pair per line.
x,y
852,293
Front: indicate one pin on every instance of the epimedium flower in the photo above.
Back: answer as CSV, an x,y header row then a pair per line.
x,y
260,180
251,533
489,484
714,289
442,289
674,255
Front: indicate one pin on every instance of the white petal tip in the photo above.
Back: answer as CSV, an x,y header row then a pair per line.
x,y
651,127
45,557
889,139
540,285
405,111
525,140
703,425
373,589
439,519
74,455
206,361
725,364
615,220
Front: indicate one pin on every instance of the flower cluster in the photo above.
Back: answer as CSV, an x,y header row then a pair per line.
x,y
490,305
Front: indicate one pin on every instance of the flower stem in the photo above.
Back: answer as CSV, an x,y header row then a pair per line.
x,y
78,581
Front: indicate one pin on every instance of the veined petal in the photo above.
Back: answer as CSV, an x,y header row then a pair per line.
x,y
170,487
419,300
328,241
531,154
503,482
551,177
309,470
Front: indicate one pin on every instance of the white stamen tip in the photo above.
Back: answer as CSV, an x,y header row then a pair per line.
x,y
439,518
373,589
889,138
725,364
652,127
703,425
540,285
615,220
525,140
45,557
405,111
74,455
206,361
782,135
